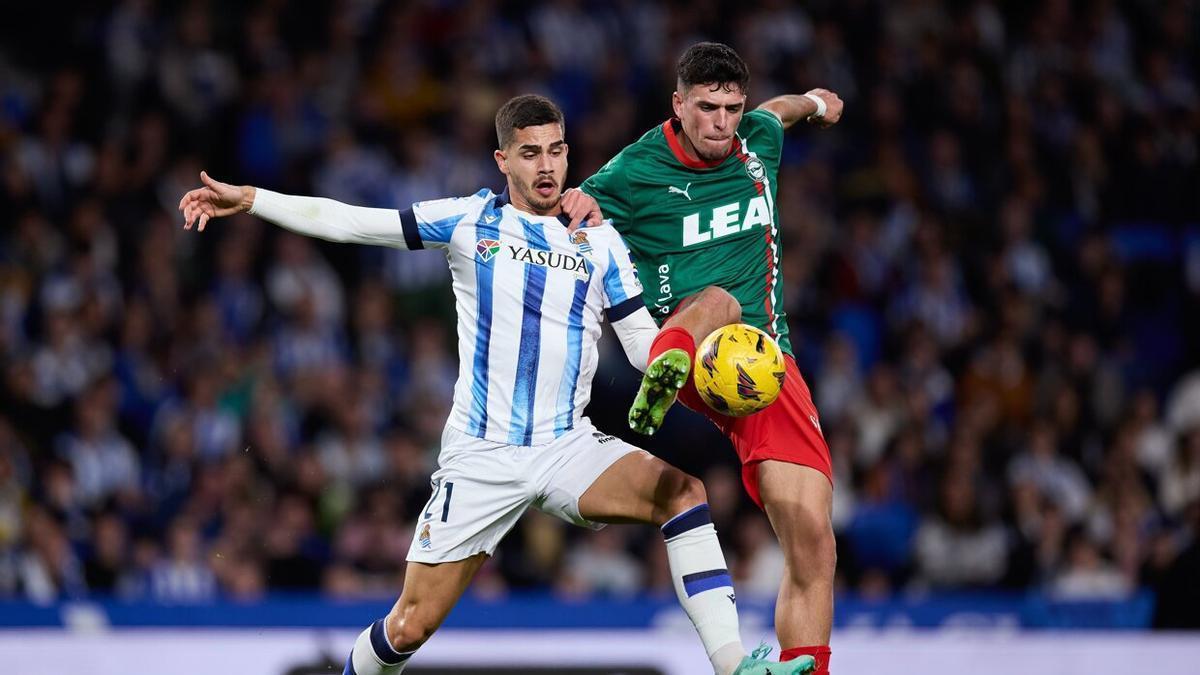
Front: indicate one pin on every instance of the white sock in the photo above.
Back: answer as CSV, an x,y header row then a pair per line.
x,y
373,653
703,585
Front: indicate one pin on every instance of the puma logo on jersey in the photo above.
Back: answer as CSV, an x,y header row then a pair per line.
x,y
725,220
671,189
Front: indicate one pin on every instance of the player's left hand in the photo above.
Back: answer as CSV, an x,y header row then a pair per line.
x,y
579,207
833,107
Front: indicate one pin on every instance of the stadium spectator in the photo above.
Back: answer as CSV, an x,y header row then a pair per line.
x,y
183,575
959,547
1057,478
1086,574
601,564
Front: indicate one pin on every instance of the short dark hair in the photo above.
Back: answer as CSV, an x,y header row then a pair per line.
x,y
527,110
715,64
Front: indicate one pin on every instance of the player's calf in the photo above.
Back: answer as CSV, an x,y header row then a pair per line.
x,y
797,500
430,591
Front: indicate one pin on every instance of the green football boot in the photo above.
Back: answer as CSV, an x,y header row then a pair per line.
x,y
755,664
664,377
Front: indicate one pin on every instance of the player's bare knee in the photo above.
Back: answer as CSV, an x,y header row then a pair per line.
x,y
721,305
692,493
810,547
408,629
679,492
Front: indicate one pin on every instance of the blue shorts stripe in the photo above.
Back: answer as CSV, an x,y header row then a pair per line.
x,y
349,669
697,516
706,581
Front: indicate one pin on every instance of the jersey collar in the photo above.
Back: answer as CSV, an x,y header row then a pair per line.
x,y
677,148
503,200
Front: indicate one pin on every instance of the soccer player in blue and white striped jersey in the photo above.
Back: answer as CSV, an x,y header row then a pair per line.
x,y
530,296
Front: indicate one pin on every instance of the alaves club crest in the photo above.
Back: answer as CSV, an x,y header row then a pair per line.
x,y
756,169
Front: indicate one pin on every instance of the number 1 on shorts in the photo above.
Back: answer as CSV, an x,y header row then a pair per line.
x,y
445,505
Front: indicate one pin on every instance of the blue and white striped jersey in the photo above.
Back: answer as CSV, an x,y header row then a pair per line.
x,y
530,298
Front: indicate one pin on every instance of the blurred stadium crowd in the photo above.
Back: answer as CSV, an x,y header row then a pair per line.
x,y
992,269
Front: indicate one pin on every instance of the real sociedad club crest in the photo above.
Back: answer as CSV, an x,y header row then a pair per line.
x,y
423,538
487,248
580,239
756,169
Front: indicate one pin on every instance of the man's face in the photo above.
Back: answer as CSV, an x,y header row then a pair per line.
x,y
710,115
536,165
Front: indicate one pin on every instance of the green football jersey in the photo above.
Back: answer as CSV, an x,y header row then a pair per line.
x,y
692,224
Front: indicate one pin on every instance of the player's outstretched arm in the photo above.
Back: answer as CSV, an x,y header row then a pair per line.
x,y
310,216
819,106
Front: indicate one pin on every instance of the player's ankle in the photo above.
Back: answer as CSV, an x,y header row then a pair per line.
x,y
821,653
674,337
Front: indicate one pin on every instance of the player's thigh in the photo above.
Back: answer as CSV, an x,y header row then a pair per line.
x,y
703,312
639,488
620,483
787,432
593,478
798,501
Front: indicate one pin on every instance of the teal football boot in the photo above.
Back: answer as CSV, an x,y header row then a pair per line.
x,y
755,664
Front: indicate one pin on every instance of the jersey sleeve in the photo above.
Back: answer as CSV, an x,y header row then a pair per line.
x,y
610,188
763,130
430,224
622,288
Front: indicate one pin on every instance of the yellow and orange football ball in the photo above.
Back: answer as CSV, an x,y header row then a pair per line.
x,y
739,370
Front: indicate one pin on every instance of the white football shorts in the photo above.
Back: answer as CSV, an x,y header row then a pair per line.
x,y
482,488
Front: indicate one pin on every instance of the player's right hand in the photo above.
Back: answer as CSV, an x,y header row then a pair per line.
x,y
833,107
214,200
581,208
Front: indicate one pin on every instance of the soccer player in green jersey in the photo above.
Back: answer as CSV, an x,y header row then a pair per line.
x,y
694,199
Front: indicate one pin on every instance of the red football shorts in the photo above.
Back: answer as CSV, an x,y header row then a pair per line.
x,y
788,430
